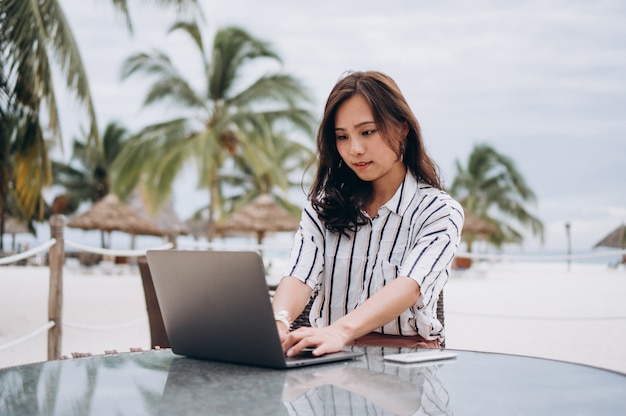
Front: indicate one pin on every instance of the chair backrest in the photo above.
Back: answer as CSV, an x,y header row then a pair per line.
x,y
157,327
158,336
303,319
441,315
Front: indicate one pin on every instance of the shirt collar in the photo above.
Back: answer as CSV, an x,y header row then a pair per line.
x,y
403,196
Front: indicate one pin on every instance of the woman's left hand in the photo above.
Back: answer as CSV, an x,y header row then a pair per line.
x,y
322,340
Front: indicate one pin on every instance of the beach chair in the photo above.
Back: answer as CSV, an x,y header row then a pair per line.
x,y
303,319
158,336
441,315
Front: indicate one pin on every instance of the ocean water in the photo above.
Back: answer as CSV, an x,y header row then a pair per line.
x,y
277,246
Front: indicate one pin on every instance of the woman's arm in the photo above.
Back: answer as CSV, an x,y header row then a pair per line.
x,y
292,295
383,307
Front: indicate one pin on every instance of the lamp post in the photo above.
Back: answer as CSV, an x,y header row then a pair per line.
x,y
569,245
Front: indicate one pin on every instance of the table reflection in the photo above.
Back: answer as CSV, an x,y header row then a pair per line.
x,y
362,387
121,384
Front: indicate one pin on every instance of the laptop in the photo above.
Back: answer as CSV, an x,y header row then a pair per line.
x,y
216,306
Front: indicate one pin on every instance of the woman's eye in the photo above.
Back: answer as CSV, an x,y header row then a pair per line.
x,y
368,132
341,137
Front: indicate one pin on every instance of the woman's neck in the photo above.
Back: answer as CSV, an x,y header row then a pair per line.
x,y
384,188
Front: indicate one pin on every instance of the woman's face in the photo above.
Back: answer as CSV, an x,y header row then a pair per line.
x,y
361,146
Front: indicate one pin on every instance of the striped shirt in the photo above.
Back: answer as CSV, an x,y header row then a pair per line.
x,y
415,234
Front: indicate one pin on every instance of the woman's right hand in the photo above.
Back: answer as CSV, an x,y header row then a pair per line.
x,y
290,299
283,332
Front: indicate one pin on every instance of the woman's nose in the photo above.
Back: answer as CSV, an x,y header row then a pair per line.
x,y
356,147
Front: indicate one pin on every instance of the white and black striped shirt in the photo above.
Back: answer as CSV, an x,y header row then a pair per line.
x,y
415,234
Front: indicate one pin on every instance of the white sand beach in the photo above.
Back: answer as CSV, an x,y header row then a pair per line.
x,y
535,309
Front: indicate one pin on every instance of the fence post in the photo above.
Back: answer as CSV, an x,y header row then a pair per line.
x,y
173,238
56,260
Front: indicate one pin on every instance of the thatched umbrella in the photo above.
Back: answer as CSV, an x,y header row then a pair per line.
x,y
262,215
109,214
615,239
476,226
166,218
13,227
197,227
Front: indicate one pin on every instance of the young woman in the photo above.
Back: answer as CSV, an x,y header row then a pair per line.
x,y
378,235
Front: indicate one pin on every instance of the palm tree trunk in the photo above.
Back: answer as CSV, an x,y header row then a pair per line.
x,y
469,243
1,228
212,204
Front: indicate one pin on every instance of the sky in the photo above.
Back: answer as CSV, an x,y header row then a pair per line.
x,y
543,82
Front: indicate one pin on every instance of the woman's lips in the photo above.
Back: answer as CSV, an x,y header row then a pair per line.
x,y
361,165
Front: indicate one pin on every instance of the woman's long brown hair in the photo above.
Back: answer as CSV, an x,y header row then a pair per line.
x,y
338,195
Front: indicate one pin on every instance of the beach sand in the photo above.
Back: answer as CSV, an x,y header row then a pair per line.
x,y
540,310
535,309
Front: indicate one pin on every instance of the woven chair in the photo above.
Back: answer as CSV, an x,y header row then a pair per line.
x,y
303,319
158,336
441,315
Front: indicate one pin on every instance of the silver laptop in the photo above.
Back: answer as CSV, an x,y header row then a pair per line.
x,y
216,306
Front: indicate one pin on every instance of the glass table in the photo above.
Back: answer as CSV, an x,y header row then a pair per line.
x,y
162,383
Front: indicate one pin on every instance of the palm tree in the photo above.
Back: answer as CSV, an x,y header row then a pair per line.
x,y
5,160
181,6
30,164
36,39
24,152
214,122
87,175
492,188
254,169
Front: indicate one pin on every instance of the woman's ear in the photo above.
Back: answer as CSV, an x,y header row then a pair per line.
x,y
405,129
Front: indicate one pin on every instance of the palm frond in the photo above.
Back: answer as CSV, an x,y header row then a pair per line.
x,y
233,48
236,123
490,186
35,34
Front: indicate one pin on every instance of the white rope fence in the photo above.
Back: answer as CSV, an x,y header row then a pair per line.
x,y
66,324
102,251
115,253
106,327
51,324
112,253
28,253
26,337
